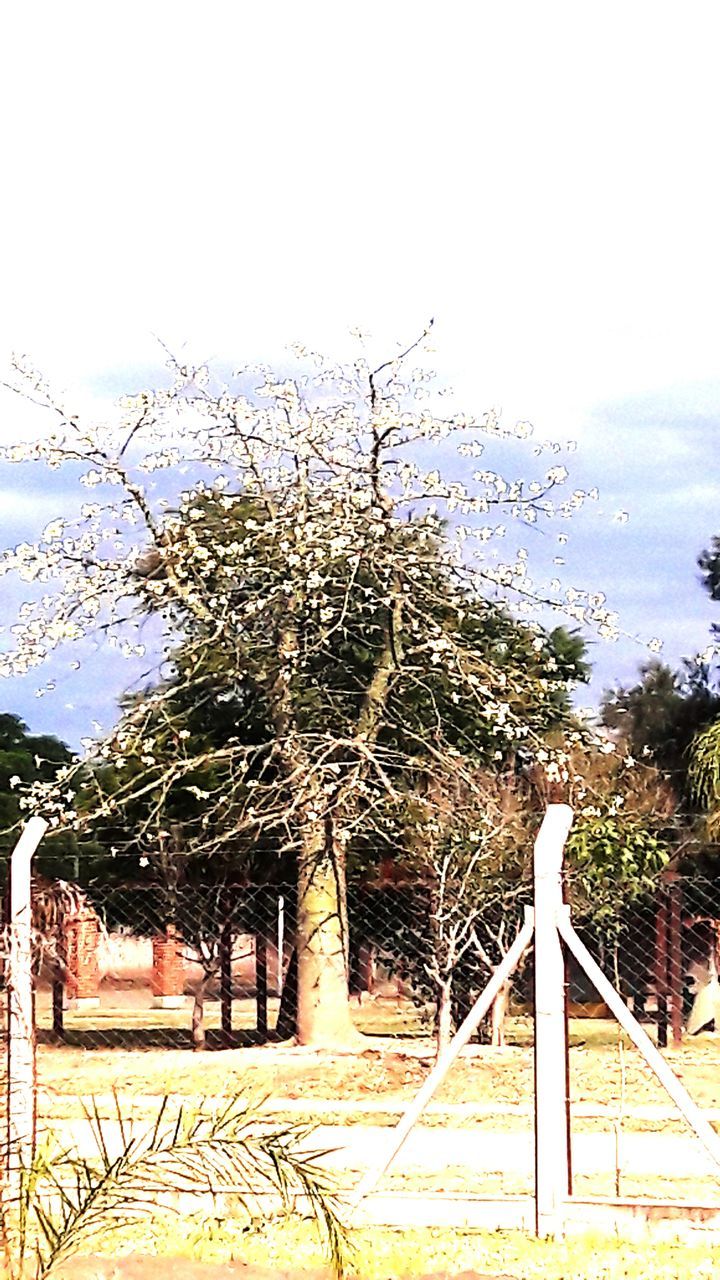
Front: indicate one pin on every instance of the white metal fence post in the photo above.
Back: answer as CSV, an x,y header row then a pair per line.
x,y
21,1032
551,1148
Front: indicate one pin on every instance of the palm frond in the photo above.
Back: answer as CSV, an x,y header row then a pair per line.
x,y
70,1201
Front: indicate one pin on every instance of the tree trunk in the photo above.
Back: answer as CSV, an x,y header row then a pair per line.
x,y
323,1007
198,1024
499,1011
443,1017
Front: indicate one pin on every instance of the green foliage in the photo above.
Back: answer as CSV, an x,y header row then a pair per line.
x,y
704,774
25,759
709,563
658,717
615,859
623,835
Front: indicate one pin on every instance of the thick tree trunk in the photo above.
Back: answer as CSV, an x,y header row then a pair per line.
x,y
323,1007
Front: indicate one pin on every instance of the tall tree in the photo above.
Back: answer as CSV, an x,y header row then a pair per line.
x,y
709,564
323,561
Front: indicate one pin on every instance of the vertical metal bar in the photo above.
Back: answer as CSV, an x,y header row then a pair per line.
x,y
661,974
552,1174
58,997
675,958
261,993
58,986
226,944
280,944
21,1028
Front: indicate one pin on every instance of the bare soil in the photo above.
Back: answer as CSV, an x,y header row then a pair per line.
x,y
605,1070
144,1267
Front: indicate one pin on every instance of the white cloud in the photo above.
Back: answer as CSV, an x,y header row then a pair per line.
x,y
21,507
696,494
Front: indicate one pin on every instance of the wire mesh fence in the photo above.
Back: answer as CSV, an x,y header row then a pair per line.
x,y
125,956
132,954
137,963
128,959
661,953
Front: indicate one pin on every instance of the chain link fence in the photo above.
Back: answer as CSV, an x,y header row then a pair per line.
x,y
129,960
135,963
126,959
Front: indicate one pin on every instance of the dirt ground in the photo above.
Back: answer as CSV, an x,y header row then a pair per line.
x,y
605,1071
141,1267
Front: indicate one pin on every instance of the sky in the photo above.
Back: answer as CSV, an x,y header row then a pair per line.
x,y
542,179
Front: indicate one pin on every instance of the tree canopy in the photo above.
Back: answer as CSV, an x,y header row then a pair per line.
x,y
658,717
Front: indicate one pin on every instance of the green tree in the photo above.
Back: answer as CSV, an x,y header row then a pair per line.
x,y
709,563
658,718
27,759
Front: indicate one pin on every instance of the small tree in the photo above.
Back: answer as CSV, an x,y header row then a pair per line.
x,y
467,848
625,831
313,526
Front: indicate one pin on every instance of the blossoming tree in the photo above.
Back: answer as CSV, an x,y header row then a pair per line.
x,y
308,558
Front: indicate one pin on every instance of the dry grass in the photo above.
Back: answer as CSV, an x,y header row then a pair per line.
x,y
281,1250
297,1084
389,1070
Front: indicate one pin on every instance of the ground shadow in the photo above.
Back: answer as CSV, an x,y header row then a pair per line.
x,y
152,1038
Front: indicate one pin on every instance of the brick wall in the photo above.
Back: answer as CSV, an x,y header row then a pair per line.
x,y
81,944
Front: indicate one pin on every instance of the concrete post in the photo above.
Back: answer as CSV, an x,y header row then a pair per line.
x,y
21,1030
552,1167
